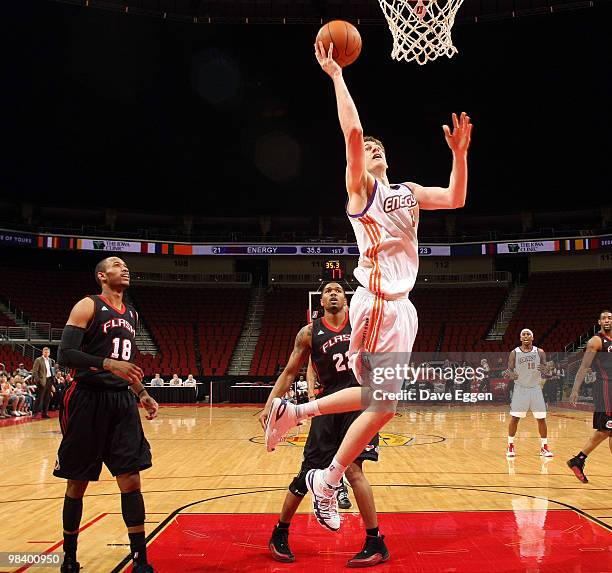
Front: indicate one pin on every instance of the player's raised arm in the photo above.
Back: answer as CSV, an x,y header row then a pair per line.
x,y
592,348
301,351
453,196
356,174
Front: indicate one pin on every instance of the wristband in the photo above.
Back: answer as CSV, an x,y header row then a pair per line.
x,y
139,393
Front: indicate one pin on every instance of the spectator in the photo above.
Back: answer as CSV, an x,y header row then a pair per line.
x,y
3,371
28,394
191,381
9,399
42,372
23,404
59,386
559,373
157,381
176,381
23,372
485,383
301,390
589,380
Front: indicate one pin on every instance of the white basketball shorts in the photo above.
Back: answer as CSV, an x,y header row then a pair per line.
x,y
381,327
526,399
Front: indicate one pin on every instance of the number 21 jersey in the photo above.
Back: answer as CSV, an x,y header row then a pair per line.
x,y
330,355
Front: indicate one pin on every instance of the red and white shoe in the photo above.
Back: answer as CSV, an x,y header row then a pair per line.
x,y
281,419
510,453
545,452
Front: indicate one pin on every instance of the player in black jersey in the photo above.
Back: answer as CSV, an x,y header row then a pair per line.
x,y
326,340
99,415
599,353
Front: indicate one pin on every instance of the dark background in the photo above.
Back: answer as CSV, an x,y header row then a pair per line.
x,y
108,109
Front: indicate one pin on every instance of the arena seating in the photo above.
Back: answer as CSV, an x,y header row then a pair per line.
x,y
455,317
558,307
201,325
12,358
45,296
285,313
6,321
184,319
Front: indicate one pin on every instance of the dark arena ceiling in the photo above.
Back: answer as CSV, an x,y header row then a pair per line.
x,y
363,12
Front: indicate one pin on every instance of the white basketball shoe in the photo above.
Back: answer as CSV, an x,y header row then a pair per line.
x,y
324,500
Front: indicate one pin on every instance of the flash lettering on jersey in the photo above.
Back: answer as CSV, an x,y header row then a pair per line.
x,y
118,323
335,340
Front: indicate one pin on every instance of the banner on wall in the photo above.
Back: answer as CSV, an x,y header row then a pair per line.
x,y
528,247
17,239
12,238
110,245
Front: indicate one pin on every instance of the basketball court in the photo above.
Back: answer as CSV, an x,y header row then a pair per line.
x,y
448,498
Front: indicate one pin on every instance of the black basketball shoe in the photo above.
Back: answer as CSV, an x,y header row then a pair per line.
x,y
374,552
70,565
577,466
279,545
343,499
142,568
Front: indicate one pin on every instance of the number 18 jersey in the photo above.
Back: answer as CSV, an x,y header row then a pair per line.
x,y
110,334
330,355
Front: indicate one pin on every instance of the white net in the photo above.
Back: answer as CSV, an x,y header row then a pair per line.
x,y
421,29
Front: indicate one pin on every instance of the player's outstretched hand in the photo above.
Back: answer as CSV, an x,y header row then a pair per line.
x,y
263,416
573,399
459,139
126,370
150,405
326,61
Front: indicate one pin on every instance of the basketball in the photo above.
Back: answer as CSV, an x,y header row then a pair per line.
x,y
346,40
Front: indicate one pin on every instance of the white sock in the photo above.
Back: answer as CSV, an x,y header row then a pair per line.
x,y
307,410
544,441
334,473
511,439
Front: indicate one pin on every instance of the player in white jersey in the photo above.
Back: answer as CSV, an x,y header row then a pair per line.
x,y
385,219
527,367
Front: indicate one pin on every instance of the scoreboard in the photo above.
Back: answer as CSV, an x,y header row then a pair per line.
x,y
333,269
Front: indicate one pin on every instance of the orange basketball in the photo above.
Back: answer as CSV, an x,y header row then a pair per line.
x,y
346,40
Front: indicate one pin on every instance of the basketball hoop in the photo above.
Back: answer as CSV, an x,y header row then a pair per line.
x,y
421,29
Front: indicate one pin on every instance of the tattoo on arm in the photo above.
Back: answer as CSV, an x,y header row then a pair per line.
x,y
303,339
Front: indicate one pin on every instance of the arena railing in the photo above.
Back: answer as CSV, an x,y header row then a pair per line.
x,y
178,279
40,331
35,332
497,277
501,277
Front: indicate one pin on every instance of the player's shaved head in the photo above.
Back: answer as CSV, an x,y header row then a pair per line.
x,y
101,268
333,285
603,312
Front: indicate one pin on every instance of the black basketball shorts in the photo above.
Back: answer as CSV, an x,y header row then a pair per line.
x,y
100,427
602,421
324,439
